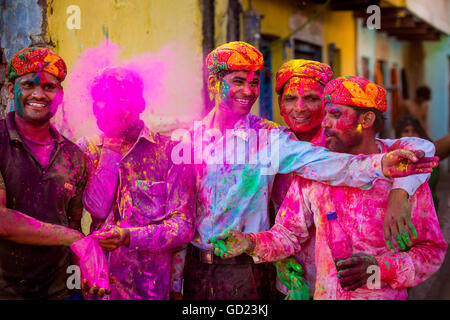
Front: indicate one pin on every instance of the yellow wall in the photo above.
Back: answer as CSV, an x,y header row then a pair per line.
x,y
138,26
340,28
276,23
220,22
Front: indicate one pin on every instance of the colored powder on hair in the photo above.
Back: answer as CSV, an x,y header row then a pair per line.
x,y
172,80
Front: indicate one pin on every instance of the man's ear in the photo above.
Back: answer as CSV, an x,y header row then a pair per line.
x,y
10,89
368,119
213,85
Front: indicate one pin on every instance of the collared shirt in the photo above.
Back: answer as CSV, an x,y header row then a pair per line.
x,y
361,215
51,194
236,195
154,199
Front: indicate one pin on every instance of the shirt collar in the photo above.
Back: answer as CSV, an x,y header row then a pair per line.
x,y
145,133
14,134
239,127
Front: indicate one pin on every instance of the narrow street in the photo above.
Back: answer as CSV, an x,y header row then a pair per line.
x,y
437,287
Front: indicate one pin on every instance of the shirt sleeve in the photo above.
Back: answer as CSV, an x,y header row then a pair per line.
x,y
408,269
177,269
101,188
411,183
178,228
290,230
320,164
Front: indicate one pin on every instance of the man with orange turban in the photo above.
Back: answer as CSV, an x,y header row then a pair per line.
x,y
235,176
42,178
351,258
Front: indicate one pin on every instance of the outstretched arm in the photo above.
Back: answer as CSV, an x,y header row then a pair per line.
x,y
320,164
282,240
18,227
443,147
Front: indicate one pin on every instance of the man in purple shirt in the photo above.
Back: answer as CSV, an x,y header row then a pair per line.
x,y
141,203
42,177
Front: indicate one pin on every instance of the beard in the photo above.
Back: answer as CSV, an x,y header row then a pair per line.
x,y
338,144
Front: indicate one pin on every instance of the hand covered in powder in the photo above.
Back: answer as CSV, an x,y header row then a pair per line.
x,y
231,243
397,221
96,290
287,269
112,238
353,271
402,163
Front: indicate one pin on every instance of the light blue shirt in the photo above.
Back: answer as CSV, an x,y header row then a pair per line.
x,y
234,195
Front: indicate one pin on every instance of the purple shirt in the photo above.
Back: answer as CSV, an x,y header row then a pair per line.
x,y
146,192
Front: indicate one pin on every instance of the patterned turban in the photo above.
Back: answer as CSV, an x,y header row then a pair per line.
x,y
307,69
355,91
234,56
36,60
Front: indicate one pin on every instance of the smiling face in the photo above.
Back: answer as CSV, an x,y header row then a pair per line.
x,y
300,104
236,92
342,127
36,96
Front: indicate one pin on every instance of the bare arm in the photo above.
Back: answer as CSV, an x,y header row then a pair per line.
x,y
443,147
20,228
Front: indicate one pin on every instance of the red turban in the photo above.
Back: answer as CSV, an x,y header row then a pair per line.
x,y
234,56
308,69
36,60
355,91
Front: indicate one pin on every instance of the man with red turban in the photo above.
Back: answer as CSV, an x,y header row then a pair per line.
x,y
300,85
359,265
42,178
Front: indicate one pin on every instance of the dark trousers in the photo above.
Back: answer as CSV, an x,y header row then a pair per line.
x,y
222,280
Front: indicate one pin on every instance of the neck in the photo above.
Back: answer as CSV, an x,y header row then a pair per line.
x,y
38,132
308,135
367,146
132,133
225,120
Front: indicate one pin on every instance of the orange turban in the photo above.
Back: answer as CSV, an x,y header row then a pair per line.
x,y
234,56
355,91
309,69
36,60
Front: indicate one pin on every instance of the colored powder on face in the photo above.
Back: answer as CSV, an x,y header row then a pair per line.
x,y
172,80
18,94
225,89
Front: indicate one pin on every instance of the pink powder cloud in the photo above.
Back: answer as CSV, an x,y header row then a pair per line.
x,y
172,80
